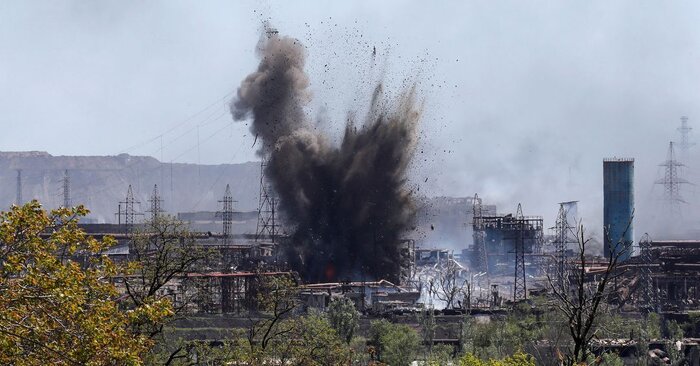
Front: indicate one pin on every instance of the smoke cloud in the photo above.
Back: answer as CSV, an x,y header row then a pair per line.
x,y
348,203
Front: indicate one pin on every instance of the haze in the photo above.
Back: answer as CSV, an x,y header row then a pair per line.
x,y
522,100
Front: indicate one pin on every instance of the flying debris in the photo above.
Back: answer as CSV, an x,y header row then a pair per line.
x,y
348,204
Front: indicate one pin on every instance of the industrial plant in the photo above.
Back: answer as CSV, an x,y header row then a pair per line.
x,y
348,228
345,241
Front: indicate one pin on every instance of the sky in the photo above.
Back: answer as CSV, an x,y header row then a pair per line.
x,y
523,99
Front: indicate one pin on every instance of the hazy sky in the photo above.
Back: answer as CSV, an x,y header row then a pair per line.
x,y
523,99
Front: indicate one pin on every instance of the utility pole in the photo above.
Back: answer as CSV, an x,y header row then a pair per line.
x,y
156,204
227,214
562,238
672,183
129,212
66,190
685,143
267,204
647,291
479,235
18,198
519,283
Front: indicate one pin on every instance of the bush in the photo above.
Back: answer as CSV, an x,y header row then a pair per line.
x,y
396,344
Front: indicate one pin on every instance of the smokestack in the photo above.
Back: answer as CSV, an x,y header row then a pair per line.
x,y
348,204
618,205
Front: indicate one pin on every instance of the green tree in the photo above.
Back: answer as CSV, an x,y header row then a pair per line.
x,y
428,325
162,252
312,342
396,344
57,303
343,317
440,355
517,359
674,334
277,299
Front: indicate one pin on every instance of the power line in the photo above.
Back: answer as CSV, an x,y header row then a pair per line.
x,y
66,189
204,121
183,122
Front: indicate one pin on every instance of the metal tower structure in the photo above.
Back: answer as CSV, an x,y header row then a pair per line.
x,y
672,182
18,197
478,235
129,212
227,213
685,143
647,293
66,189
267,206
562,238
519,283
156,204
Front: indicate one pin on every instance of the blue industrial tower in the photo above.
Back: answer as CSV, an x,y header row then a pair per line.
x,y
618,207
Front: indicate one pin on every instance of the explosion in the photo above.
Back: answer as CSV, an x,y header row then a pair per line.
x,y
348,204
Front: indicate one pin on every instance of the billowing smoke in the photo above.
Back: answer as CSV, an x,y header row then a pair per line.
x,y
348,204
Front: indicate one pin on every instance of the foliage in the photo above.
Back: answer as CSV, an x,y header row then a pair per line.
x,y
276,333
161,253
517,359
610,359
426,319
653,326
395,344
361,354
158,254
312,342
500,338
692,327
57,305
674,332
466,336
203,353
441,354
343,317
276,299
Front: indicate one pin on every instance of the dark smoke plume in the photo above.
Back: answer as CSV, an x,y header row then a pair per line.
x,y
348,204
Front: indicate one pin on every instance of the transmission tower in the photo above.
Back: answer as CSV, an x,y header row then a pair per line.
x,y
66,189
479,235
562,238
129,212
685,143
647,293
156,204
18,198
267,205
672,182
519,284
227,213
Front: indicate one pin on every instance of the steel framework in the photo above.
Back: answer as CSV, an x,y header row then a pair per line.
x,y
562,239
129,211
647,292
685,143
66,189
479,235
18,197
267,206
227,214
519,282
672,182
156,203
